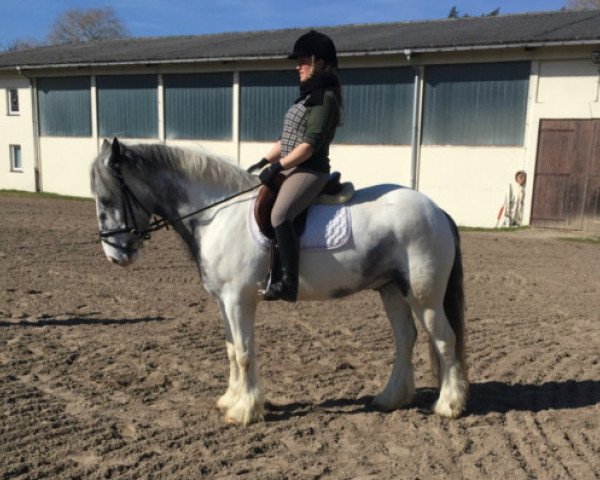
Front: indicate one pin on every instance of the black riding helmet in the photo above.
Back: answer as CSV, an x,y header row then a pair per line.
x,y
317,44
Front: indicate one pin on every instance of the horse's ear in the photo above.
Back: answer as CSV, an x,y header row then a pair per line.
x,y
117,151
105,145
116,147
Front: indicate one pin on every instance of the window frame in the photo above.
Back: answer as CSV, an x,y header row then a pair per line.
x,y
9,107
13,167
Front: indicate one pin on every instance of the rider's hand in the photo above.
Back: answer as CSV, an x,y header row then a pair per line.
x,y
269,174
258,165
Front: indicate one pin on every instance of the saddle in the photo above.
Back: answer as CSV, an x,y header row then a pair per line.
x,y
333,192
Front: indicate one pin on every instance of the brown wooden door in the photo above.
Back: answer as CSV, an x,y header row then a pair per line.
x,y
566,190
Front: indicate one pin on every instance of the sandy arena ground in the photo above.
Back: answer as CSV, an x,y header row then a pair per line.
x,y
113,373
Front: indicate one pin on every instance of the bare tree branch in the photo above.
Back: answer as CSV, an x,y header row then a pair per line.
x,y
82,25
20,44
582,4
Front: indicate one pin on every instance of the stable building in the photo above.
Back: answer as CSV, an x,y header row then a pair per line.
x,y
452,108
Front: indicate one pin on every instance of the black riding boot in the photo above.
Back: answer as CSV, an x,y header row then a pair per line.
x,y
287,287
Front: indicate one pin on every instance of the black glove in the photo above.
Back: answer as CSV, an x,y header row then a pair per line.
x,y
258,165
269,174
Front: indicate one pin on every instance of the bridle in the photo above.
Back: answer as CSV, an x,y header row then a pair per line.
x,y
138,235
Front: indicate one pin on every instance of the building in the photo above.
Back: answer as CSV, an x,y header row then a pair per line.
x,y
450,107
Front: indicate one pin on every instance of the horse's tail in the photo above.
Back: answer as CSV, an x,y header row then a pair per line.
x,y
454,300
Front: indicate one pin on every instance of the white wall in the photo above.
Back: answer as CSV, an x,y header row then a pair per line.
x,y
16,130
469,182
66,163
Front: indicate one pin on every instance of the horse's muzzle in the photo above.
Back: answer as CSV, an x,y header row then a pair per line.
x,y
125,260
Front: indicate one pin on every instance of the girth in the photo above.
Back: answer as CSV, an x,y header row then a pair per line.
x,y
266,199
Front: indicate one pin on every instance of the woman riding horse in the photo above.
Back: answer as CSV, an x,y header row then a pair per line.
x,y
302,152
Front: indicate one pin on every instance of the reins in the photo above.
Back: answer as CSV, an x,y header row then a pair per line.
x,y
129,198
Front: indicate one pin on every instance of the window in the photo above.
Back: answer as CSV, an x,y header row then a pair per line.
x,y
16,164
64,106
377,109
476,104
378,105
127,106
199,106
13,101
265,97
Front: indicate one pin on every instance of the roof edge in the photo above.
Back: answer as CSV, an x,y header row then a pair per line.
x,y
366,53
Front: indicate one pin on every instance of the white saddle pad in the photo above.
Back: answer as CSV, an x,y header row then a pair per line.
x,y
327,227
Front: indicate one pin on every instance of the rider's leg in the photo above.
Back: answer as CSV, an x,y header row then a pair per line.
x,y
295,195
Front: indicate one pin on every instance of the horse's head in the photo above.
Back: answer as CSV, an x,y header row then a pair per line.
x,y
122,218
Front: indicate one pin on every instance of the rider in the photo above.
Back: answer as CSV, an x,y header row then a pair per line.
x,y
302,151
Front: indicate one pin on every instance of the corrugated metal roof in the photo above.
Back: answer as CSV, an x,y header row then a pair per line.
x,y
569,27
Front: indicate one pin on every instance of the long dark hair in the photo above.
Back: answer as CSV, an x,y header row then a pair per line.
x,y
329,74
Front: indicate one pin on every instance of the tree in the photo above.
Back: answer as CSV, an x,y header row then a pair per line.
x,y
21,44
582,4
454,12
82,25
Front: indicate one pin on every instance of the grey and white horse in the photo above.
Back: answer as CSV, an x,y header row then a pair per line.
x,y
402,245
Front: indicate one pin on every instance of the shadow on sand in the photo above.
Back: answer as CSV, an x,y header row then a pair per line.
x,y
75,321
486,397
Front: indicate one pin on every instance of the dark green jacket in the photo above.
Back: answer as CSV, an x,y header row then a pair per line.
x,y
322,118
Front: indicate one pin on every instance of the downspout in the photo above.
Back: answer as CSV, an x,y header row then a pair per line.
x,y
235,117
415,141
37,171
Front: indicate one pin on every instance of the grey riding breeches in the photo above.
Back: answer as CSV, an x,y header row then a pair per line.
x,y
296,194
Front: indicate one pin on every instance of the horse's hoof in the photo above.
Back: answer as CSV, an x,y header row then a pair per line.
x,y
448,410
225,403
230,420
379,404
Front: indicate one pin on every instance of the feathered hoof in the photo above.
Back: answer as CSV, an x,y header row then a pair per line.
x,y
226,401
243,418
245,413
451,407
448,411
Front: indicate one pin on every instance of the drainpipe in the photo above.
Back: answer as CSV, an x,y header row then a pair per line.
x,y
36,136
235,117
415,141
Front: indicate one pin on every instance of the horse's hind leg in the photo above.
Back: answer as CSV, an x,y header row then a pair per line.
x,y
454,387
400,388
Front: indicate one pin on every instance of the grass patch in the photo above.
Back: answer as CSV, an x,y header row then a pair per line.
x,y
19,193
592,240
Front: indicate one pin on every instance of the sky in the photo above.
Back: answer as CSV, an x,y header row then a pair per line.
x,y
32,19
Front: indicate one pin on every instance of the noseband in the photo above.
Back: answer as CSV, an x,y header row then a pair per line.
x,y
137,235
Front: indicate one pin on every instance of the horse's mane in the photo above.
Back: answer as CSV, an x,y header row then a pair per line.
x,y
195,164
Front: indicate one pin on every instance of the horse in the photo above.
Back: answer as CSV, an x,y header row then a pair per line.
x,y
402,245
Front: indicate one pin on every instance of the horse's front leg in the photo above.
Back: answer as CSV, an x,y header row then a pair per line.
x,y
229,398
243,401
